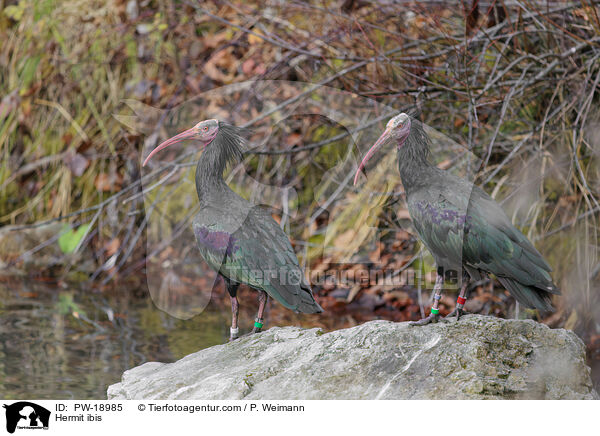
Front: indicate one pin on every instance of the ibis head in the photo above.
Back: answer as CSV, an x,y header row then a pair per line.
x,y
204,132
397,129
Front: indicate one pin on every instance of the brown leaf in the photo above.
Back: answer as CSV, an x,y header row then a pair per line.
x,y
112,246
76,163
345,238
166,253
213,40
253,39
260,69
67,138
222,60
248,66
214,73
293,139
216,110
193,83
106,182
444,165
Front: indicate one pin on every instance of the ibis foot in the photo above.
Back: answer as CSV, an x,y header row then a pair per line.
x,y
456,313
431,319
258,325
234,333
259,321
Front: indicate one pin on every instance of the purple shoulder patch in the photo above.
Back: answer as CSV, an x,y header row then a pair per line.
x,y
449,216
218,240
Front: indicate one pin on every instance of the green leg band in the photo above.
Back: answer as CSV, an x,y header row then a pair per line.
x,y
258,325
435,311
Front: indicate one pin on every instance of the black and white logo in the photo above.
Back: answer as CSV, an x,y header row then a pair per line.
x,y
26,415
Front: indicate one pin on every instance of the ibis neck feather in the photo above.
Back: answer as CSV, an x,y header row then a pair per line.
x,y
226,148
209,173
412,157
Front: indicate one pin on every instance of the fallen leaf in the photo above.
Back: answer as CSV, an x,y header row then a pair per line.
x,y
345,238
106,182
70,238
293,139
213,40
254,39
112,246
260,69
76,163
248,66
222,60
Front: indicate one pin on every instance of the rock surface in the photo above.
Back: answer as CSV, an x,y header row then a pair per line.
x,y
478,357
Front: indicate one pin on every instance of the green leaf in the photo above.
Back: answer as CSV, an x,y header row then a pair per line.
x,y
70,238
65,305
29,70
15,12
42,8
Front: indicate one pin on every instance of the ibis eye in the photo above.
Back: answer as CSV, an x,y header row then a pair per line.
x,y
205,128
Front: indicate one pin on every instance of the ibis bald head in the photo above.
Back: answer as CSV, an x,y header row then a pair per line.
x,y
397,129
204,132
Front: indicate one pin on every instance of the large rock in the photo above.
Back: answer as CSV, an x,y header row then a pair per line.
x,y
478,357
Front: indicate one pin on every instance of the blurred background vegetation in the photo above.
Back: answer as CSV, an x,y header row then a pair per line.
x,y
515,83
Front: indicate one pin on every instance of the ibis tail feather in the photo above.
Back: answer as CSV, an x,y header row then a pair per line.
x,y
529,296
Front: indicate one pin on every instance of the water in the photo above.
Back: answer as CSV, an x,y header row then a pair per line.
x,y
72,344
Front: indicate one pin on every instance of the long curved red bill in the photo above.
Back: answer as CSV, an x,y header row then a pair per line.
x,y
382,139
188,134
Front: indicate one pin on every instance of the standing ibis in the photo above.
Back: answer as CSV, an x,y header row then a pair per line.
x,y
463,227
238,239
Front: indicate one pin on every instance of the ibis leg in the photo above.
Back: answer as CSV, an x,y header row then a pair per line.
x,y
434,316
460,301
232,287
262,303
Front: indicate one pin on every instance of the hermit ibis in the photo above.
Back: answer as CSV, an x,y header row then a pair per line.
x,y
239,240
464,228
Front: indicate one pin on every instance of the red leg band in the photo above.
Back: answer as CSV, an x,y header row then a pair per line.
x,y
461,300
